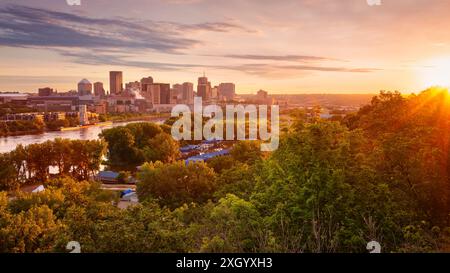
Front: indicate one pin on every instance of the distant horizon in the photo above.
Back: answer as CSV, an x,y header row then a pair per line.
x,y
238,94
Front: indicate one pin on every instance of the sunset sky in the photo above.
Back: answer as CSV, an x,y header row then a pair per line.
x,y
286,46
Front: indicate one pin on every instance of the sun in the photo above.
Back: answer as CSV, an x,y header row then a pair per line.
x,y
436,72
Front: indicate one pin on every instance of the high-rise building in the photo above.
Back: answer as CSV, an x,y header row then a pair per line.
x,y
99,91
204,88
148,80
45,92
215,92
164,93
176,93
154,93
188,92
227,91
115,82
177,89
133,86
84,87
146,84
203,80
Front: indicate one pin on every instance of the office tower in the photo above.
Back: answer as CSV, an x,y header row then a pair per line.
x,y
204,88
84,87
203,80
188,92
133,86
153,93
227,91
115,82
45,92
215,92
164,93
145,82
177,89
176,93
146,89
99,91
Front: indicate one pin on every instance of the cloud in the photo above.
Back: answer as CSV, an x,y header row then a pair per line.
x,y
90,58
214,27
292,58
34,27
117,42
288,71
266,70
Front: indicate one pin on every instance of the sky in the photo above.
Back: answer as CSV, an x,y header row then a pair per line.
x,y
282,46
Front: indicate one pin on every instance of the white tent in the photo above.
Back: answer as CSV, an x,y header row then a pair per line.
x,y
131,197
38,189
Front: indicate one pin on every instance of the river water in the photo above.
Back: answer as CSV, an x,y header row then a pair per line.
x,y
8,144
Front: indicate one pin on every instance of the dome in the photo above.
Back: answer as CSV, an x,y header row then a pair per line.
x,y
84,81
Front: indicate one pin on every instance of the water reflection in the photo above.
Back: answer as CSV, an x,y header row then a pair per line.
x,y
8,144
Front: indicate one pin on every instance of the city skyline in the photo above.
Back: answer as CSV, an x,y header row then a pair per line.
x,y
328,47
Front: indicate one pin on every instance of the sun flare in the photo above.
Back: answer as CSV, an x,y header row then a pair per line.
x,y
437,73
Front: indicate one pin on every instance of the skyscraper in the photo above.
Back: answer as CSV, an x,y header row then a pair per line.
x,y
115,82
176,93
204,88
84,87
188,92
98,89
164,93
146,89
215,92
133,86
153,93
146,81
227,91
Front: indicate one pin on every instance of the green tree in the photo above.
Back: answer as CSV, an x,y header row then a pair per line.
x,y
176,183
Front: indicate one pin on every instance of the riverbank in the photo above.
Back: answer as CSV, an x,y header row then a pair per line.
x,y
108,121
133,117
9,143
22,133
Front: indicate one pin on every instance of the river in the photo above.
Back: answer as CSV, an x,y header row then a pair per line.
x,y
8,144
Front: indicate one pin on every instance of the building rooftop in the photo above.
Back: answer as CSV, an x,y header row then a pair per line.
x,y
108,175
204,157
84,81
13,95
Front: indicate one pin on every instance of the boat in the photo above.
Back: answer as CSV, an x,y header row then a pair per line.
x,y
107,123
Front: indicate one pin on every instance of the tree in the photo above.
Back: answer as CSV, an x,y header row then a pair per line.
x,y
163,148
31,164
8,178
30,231
131,145
175,184
308,192
121,147
235,225
246,152
238,180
